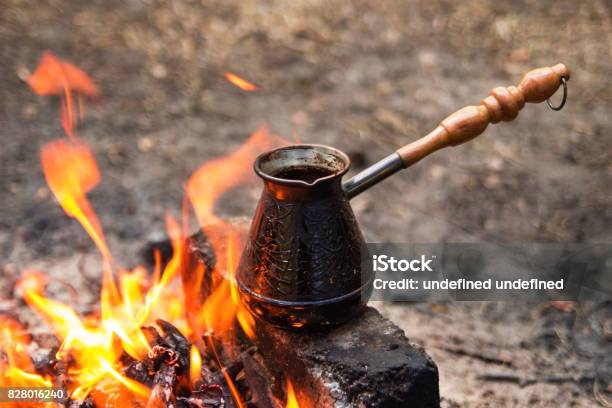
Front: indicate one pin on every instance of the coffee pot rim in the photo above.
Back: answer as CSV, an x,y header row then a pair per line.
x,y
335,158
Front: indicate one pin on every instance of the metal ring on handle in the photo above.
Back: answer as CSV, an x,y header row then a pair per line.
x,y
562,104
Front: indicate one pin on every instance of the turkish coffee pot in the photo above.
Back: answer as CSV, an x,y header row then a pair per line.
x,y
301,266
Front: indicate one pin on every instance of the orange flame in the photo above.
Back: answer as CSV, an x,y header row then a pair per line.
x,y
292,401
131,299
204,188
97,342
13,340
95,348
71,171
239,82
54,76
217,176
222,306
195,366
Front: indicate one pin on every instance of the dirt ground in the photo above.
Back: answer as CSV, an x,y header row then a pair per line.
x,y
367,77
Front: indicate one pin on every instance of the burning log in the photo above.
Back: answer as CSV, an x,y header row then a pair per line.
x,y
232,367
145,371
177,342
163,370
209,397
197,267
138,370
164,382
259,382
166,365
45,361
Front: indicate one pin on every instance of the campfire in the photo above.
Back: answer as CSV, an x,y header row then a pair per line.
x,y
175,335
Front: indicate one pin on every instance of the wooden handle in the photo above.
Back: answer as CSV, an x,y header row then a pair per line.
x,y
501,104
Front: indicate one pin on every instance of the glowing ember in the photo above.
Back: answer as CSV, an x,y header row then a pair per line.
x,y
239,82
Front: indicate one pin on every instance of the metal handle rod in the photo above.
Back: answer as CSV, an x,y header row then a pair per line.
x,y
373,174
